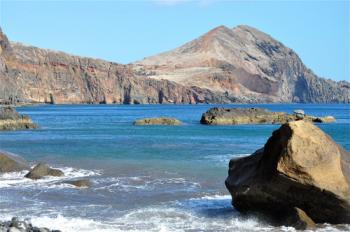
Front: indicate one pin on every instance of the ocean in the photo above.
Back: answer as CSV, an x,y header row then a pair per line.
x,y
144,178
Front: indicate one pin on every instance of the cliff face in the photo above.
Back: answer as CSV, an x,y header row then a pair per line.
x,y
223,66
30,74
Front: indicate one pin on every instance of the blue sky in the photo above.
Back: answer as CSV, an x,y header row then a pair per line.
x,y
126,31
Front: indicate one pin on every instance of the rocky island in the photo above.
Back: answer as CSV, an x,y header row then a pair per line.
x,y
10,119
233,116
300,177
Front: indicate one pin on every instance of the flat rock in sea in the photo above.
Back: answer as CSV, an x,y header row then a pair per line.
x,y
10,119
41,170
299,167
12,163
233,116
158,121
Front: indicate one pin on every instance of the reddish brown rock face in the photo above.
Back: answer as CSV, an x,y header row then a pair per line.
x,y
223,66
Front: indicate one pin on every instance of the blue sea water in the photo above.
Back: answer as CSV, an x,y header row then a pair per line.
x,y
144,178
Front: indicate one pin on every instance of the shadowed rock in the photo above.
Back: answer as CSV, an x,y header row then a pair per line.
x,y
158,121
232,116
300,166
12,163
41,170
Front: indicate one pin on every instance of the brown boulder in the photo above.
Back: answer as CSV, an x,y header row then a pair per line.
x,y
12,163
300,166
41,170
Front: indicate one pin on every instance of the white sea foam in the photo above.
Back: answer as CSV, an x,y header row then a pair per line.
x,y
224,158
207,202
146,183
17,179
166,217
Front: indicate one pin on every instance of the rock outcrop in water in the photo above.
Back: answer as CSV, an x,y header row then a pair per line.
x,y
299,167
41,170
16,225
233,116
158,121
83,183
12,163
10,119
223,66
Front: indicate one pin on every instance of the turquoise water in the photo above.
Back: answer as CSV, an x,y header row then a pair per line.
x,y
161,178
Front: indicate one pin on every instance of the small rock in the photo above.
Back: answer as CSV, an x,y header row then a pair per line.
x,y
299,114
41,170
158,121
326,119
84,183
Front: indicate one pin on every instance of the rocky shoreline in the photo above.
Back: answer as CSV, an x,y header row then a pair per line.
x,y
17,225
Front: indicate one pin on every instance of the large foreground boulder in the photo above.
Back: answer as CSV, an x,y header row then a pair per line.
x,y
163,121
299,167
41,170
12,163
233,116
10,119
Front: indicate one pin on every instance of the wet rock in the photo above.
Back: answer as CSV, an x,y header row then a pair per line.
x,y
233,116
84,183
10,119
299,114
41,170
16,225
12,163
158,121
299,167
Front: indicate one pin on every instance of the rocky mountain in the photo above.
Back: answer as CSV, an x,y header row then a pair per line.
x,y
244,62
223,66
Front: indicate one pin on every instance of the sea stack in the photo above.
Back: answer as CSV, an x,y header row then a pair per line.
x,y
300,167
